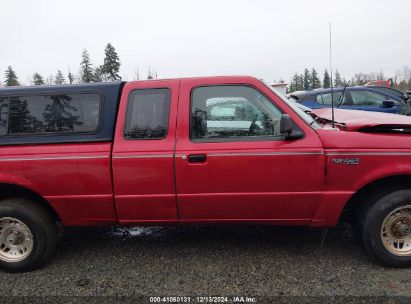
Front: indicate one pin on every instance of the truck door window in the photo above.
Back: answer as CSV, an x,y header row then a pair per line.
x,y
147,114
227,113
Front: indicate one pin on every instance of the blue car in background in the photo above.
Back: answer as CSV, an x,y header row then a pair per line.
x,y
367,98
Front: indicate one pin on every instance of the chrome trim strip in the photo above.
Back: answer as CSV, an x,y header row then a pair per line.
x,y
145,156
370,153
52,158
264,154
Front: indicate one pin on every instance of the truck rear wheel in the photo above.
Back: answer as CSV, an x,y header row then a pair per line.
x,y
28,235
386,229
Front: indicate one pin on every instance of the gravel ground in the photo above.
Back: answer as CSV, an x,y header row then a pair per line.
x,y
263,262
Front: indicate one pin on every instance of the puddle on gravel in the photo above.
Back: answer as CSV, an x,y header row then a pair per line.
x,y
126,232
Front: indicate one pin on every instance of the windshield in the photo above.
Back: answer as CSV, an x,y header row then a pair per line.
x,y
306,117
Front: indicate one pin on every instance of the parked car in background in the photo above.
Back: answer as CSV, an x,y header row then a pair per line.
x,y
397,94
367,98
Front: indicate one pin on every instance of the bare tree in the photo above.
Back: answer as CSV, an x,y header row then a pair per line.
x,y
136,74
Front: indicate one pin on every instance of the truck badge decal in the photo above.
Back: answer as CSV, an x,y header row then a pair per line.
x,y
345,161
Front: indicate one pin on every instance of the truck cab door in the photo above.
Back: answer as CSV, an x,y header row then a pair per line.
x,y
233,164
143,152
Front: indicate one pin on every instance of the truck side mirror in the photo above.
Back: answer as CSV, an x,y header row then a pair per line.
x,y
388,104
288,128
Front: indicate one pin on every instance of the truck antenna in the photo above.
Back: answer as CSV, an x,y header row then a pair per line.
x,y
331,78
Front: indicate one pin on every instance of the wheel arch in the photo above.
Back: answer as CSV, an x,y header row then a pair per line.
x,y
13,190
376,187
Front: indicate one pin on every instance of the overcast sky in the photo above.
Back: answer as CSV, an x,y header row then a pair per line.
x,y
266,39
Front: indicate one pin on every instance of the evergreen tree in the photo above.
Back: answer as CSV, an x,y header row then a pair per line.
x,y
20,118
59,78
300,82
38,79
326,80
70,78
295,83
86,67
111,65
337,81
296,80
291,87
306,80
11,78
59,116
98,74
315,81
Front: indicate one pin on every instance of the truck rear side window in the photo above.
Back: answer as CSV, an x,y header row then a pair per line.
x,y
147,114
50,114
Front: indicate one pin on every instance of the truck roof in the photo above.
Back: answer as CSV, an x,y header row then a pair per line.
x,y
97,86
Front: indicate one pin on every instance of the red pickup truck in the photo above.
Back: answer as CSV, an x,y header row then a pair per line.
x,y
195,150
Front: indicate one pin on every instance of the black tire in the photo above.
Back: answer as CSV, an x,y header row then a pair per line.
x,y
371,219
42,227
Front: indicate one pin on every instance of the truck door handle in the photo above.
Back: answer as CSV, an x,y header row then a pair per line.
x,y
197,158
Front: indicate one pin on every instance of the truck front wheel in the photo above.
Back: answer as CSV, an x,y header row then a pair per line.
x,y
28,235
386,229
